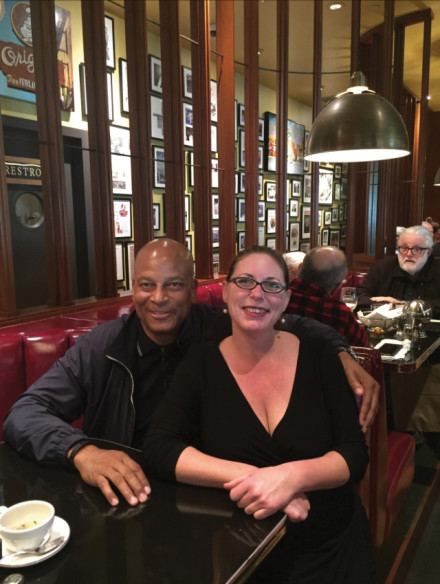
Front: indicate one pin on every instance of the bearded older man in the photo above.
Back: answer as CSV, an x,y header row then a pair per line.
x,y
412,274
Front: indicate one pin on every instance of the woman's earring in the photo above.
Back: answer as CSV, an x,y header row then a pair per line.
x,y
283,320
225,310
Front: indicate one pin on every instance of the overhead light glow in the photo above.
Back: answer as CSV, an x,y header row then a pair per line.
x,y
336,6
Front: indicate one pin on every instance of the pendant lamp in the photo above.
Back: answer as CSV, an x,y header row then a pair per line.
x,y
437,178
358,125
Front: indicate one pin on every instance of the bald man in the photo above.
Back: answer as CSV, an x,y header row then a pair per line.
x,y
117,374
322,270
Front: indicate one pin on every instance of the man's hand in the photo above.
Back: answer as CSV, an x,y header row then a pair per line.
x,y
101,468
363,385
384,299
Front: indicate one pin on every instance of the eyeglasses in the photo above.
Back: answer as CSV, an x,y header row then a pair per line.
x,y
417,251
269,286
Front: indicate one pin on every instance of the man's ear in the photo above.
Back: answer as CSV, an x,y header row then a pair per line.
x,y
429,251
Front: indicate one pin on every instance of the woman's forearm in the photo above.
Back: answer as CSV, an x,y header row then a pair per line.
x,y
195,468
326,472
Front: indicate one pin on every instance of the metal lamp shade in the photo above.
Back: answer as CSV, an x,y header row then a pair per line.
x,y
357,127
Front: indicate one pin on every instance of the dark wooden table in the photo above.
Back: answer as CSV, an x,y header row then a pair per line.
x,y
183,534
420,350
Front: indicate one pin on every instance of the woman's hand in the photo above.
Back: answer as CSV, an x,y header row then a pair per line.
x,y
265,492
298,508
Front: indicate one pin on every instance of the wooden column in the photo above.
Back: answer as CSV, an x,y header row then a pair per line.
x,y
200,58
282,115
140,127
99,142
51,152
251,120
8,306
172,119
226,129
317,83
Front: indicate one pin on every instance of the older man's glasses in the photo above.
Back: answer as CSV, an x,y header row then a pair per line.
x,y
269,286
416,251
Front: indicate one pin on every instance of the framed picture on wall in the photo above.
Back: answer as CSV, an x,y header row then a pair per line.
x,y
271,242
241,148
261,210
335,236
260,157
215,209
188,241
214,111
304,247
119,140
213,138
294,208
155,74
338,170
110,96
122,218
294,237
121,174
324,236
325,187
214,173
335,215
190,165
242,187
270,141
327,217
240,114
307,196
271,224
306,162
241,240
156,216
296,188
261,129
188,127
241,209
156,115
186,83
271,191
123,86
337,191
119,262
109,42
260,185
295,148
305,222
158,167
215,236
130,263
187,213
341,213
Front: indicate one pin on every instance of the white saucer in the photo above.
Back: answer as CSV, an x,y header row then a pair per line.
x,y
60,528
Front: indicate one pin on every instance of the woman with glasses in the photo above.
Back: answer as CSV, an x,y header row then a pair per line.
x,y
412,273
271,419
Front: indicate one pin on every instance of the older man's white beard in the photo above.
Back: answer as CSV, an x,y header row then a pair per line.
x,y
412,268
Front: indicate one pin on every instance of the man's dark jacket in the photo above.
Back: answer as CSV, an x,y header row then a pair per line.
x,y
94,379
386,278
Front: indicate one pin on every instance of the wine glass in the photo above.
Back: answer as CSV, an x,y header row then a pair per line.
x,y
349,296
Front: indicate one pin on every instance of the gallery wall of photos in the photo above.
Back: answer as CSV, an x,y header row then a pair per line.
x,y
332,178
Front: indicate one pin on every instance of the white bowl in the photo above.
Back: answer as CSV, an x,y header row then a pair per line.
x,y
26,525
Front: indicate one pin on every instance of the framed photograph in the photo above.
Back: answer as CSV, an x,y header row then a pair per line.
x,y
271,224
319,219
261,129
271,242
327,217
305,222
325,187
306,162
241,209
295,148
123,86
109,42
325,236
344,188
287,189
121,174
338,170
343,231
341,213
294,208
158,167
260,157
335,237
130,262
337,191
82,82
344,167
260,185
215,236
156,216
214,110
214,173
237,183
307,197
335,215
188,125
213,138
190,165
240,114
215,209
261,234
296,188
188,215
156,114
240,240
188,241
119,140
304,247
241,148
122,218
271,191
155,74
261,210
270,141
110,96
119,262
294,237
242,188
187,92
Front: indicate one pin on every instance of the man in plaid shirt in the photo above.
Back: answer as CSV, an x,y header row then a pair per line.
x,y
323,269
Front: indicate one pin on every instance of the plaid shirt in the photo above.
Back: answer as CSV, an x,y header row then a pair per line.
x,y
310,300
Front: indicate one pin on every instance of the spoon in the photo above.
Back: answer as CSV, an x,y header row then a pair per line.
x,y
44,548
